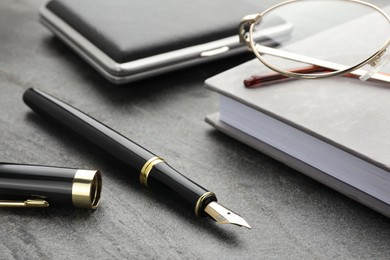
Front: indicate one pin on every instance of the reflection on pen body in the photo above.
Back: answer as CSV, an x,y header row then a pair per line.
x,y
154,172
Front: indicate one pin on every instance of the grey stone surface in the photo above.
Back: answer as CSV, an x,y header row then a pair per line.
x,y
293,217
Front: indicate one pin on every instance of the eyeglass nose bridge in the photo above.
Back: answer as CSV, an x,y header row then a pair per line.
x,y
243,30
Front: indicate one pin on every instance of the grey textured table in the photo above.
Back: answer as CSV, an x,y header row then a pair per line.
x,y
292,216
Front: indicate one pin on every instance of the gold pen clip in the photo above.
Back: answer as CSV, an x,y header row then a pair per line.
x,y
29,203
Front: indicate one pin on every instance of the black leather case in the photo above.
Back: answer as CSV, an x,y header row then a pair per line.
x,y
133,30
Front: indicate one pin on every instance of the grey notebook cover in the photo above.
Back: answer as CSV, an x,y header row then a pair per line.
x,y
343,112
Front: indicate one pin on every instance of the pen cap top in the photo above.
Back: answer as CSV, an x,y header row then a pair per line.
x,y
86,189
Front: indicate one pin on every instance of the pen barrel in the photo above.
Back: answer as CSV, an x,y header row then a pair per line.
x,y
153,171
58,186
90,129
164,178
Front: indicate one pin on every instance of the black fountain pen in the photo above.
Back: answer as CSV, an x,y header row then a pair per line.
x,y
154,172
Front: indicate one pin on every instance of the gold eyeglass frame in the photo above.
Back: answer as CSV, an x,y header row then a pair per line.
x,y
246,35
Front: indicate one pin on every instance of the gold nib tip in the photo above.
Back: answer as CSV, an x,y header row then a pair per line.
x,y
225,216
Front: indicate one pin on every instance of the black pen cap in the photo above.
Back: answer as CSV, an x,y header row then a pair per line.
x,y
23,185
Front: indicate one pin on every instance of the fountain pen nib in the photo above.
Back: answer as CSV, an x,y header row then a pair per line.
x,y
225,216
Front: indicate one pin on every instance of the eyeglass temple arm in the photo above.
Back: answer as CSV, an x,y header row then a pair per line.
x,y
339,68
260,80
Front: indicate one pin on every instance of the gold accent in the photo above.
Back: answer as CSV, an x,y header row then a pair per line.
x,y
224,215
199,203
30,203
148,166
86,189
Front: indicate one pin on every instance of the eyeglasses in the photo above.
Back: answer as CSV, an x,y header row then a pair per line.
x,y
329,38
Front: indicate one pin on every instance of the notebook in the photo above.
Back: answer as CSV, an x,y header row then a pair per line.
x,y
336,130
131,40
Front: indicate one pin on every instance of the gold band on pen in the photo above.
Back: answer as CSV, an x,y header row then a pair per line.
x,y
199,203
148,166
86,189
